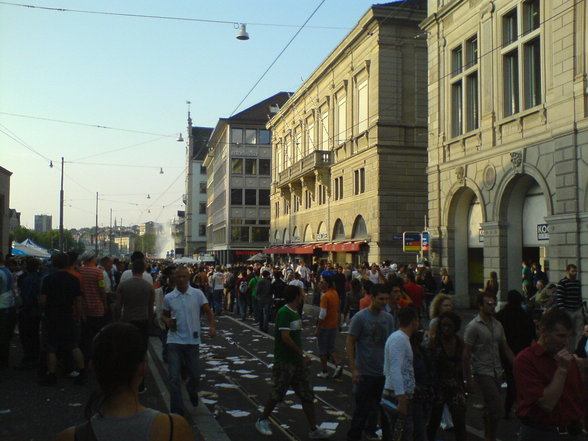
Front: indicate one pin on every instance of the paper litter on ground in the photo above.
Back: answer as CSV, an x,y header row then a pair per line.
x,y
329,426
207,401
321,389
249,376
296,406
334,412
238,413
242,371
227,385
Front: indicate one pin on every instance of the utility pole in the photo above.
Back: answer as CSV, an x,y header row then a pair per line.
x,y
96,223
111,236
61,209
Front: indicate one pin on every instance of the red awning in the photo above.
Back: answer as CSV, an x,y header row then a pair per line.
x,y
278,250
304,249
342,247
246,252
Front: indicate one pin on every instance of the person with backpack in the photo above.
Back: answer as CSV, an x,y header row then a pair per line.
x,y
242,295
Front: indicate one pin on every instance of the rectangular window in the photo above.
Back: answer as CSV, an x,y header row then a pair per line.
x,y
310,146
532,72
297,145
456,61
265,167
307,199
236,221
472,101
341,120
509,28
202,209
250,196
237,136
251,167
277,209
237,166
472,51
202,170
456,109
511,83
263,222
531,16
237,196
250,222
286,206
203,188
239,234
264,198
259,234
324,130
339,188
288,152
265,137
250,136
202,230
362,107
359,181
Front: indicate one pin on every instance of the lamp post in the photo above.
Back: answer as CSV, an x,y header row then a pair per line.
x,y
61,209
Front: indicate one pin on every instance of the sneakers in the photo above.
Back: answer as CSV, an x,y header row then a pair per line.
x,y
263,427
338,371
323,374
319,433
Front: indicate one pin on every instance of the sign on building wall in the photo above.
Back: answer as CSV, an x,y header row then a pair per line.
x,y
411,242
322,236
425,241
542,232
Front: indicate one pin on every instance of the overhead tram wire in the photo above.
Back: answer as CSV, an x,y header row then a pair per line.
x,y
18,140
96,126
120,148
278,56
164,17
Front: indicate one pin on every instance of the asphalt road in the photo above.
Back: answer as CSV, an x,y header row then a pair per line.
x,y
236,380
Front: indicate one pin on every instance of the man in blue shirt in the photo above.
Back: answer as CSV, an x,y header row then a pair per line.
x,y
181,314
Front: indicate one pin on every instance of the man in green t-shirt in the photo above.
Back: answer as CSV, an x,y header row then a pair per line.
x,y
290,366
254,278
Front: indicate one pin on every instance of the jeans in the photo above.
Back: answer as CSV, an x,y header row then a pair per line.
x,y
7,324
217,301
179,355
368,393
264,316
256,309
395,426
243,306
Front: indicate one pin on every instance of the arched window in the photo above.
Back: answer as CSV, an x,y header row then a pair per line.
x,y
359,228
338,230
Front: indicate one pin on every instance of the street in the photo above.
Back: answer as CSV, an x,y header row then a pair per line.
x,y
236,380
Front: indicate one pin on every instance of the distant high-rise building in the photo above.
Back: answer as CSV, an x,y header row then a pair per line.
x,y
43,223
4,203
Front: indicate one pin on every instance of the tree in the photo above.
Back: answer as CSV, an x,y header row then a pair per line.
x,y
146,243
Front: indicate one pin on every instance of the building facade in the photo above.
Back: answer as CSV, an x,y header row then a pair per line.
x,y
195,198
349,147
508,139
5,246
238,165
43,223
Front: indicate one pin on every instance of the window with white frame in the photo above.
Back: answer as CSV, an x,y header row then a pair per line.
x,y
464,93
521,57
324,130
362,106
341,129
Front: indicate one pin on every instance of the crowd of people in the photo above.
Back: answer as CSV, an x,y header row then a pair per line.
x,y
411,365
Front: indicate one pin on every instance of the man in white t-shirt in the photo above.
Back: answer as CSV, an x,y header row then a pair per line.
x,y
217,283
128,274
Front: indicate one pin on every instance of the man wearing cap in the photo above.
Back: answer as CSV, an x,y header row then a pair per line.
x,y
94,301
551,396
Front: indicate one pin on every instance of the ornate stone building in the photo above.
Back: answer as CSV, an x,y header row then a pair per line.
x,y
349,147
508,139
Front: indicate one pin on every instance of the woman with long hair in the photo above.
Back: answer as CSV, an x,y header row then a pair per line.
x,y
114,412
440,304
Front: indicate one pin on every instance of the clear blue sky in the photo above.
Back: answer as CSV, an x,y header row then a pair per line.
x,y
137,74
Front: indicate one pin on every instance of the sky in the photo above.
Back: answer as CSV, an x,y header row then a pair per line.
x,y
109,93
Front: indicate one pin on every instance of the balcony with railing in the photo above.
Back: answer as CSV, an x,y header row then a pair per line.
x,y
319,159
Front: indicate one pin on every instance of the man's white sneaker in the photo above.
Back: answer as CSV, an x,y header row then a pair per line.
x,y
263,427
324,374
319,433
338,371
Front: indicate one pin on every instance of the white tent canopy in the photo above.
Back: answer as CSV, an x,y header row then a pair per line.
x,y
29,248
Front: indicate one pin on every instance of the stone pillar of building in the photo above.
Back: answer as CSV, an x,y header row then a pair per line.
x,y
495,249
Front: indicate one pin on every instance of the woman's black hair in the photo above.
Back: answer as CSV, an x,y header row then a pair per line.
x,y
456,319
117,351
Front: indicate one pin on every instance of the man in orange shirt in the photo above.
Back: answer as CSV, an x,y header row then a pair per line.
x,y
328,326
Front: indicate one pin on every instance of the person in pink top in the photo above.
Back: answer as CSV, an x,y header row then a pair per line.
x,y
415,291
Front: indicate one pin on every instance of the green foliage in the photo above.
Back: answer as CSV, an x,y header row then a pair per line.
x,y
48,239
146,243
